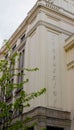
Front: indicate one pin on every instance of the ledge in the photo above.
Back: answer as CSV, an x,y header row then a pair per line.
x,y
52,113
70,64
69,43
69,48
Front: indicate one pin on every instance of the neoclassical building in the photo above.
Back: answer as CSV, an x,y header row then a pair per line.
x,y
46,40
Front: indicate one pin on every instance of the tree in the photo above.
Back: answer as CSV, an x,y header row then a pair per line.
x,y
8,72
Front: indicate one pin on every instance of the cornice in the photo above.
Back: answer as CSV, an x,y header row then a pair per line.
x,y
55,28
58,4
49,4
34,11
49,26
25,23
60,15
37,6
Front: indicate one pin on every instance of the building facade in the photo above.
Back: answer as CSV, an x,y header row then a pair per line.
x,y
45,39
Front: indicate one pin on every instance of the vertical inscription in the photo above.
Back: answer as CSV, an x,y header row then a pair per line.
x,y
54,72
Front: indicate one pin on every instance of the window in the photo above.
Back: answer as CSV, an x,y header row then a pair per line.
x,y
10,115
13,48
54,128
12,64
22,38
7,93
19,80
20,77
10,82
21,59
9,90
0,121
18,111
30,128
6,56
20,70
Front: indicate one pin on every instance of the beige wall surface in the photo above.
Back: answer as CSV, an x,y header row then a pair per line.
x,y
46,29
45,50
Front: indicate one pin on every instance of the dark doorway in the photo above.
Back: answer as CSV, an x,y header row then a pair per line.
x,y
30,128
54,128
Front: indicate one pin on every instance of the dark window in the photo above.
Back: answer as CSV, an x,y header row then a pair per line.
x,y
30,128
21,59
12,64
20,81
10,115
20,71
54,128
18,111
10,82
9,91
0,121
22,38
6,56
20,77
8,97
13,48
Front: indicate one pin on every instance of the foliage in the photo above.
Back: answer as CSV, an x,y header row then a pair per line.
x,y
8,86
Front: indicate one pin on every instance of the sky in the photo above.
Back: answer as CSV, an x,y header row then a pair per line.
x,y
12,13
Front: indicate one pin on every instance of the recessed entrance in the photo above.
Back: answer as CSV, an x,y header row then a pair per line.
x,y
30,128
54,128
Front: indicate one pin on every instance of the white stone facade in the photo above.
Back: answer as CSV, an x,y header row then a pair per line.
x,y
49,45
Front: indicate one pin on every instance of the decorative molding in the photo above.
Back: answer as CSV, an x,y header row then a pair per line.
x,y
68,5
49,26
69,48
52,6
70,65
34,11
70,45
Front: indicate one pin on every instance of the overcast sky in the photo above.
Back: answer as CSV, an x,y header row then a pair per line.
x,y
12,13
